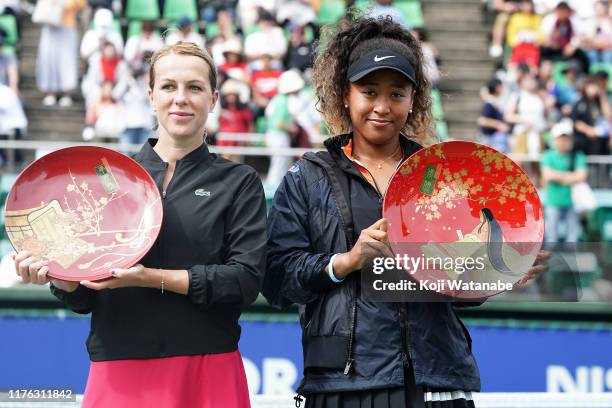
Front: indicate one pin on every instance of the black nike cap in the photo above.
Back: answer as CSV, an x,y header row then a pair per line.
x,y
382,58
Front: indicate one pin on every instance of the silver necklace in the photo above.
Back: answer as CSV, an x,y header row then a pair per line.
x,y
380,164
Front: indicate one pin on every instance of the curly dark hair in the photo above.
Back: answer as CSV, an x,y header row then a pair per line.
x,y
347,41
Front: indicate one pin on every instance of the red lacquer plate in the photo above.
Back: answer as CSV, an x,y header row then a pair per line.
x,y
463,199
85,209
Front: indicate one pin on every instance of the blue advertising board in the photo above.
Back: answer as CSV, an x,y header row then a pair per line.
x,y
49,352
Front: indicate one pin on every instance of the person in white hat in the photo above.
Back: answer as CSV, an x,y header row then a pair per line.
x,y
561,168
101,31
235,117
184,32
281,124
235,66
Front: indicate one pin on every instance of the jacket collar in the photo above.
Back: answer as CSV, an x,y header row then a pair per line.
x,y
334,146
147,153
335,143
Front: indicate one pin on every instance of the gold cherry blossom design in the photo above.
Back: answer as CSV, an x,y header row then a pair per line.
x,y
452,187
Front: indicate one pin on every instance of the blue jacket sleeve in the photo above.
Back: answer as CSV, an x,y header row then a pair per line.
x,y
295,273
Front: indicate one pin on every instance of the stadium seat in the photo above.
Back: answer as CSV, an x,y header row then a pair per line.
x,y
250,30
8,50
442,130
195,27
362,4
606,237
116,26
557,74
211,31
412,12
598,219
175,9
602,66
607,231
309,34
261,125
9,24
330,11
436,105
135,28
142,10
5,247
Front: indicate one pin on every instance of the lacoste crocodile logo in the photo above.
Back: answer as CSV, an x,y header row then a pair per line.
x,y
200,192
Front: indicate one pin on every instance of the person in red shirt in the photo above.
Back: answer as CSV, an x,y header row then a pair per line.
x,y
264,83
236,117
235,66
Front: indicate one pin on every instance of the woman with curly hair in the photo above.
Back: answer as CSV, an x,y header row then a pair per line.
x,y
374,95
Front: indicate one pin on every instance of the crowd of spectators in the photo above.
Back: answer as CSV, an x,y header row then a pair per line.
x,y
551,94
555,64
256,44
12,118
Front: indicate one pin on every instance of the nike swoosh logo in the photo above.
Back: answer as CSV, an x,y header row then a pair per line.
x,y
378,59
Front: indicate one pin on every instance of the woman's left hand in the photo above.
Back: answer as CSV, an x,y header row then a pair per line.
x,y
137,275
539,267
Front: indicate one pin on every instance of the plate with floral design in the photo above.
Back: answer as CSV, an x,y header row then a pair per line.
x,y
85,209
462,199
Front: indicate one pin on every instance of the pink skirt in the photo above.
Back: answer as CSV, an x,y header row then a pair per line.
x,y
202,381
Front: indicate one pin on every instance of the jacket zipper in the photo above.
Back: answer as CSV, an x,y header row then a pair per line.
x,y
162,257
381,197
405,330
165,191
349,359
161,252
349,353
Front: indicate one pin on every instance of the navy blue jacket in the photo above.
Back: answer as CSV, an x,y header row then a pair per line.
x,y
350,343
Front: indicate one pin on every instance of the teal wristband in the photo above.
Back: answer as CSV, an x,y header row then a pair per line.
x,y
330,269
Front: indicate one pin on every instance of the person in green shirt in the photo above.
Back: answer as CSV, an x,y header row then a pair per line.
x,y
281,124
560,169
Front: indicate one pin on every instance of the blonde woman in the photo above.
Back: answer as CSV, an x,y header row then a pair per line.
x,y
164,333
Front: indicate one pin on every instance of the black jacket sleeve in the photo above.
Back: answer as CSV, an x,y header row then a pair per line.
x,y
295,274
239,279
80,301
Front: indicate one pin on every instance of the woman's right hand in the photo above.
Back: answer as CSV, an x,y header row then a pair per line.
x,y
373,241
34,270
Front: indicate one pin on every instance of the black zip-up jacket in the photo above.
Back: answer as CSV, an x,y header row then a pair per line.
x,y
219,237
350,343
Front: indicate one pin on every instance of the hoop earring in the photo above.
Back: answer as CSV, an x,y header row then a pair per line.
x,y
205,135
